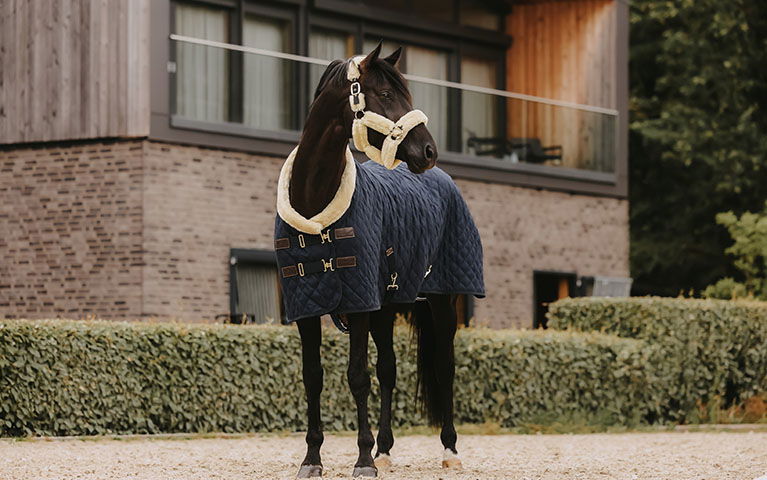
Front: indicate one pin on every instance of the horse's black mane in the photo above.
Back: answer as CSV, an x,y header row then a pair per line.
x,y
335,76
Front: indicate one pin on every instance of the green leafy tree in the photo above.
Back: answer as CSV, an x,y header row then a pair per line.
x,y
698,135
749,232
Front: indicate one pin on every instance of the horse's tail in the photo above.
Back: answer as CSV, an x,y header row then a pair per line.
x,y
427,385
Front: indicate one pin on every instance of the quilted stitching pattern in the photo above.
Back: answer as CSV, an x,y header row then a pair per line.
x,y
423,217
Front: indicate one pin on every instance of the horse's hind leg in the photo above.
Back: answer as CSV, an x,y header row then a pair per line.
x,y
311,338
359,383
382,330
444,323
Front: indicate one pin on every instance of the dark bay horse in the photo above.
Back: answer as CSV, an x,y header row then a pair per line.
x,y
321,215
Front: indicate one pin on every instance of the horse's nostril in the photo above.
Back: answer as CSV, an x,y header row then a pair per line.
x,y
428,151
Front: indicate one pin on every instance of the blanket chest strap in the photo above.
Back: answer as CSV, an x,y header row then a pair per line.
x,y
320,266
304,241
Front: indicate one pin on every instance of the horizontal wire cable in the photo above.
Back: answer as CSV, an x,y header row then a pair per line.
x,y
414,78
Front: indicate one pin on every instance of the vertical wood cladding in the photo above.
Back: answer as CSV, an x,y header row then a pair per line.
x,y
565,51
140,229
73,69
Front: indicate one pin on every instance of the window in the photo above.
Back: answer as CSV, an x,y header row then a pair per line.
x,y
329,45
266,89
267,96
215,85
480,112
255,289
202,78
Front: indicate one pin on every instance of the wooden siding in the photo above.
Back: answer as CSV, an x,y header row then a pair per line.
x,y
565,51
73,69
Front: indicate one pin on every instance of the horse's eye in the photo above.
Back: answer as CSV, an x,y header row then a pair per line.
x,y
386,94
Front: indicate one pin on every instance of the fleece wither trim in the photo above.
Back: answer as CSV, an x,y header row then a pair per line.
x,y
332,212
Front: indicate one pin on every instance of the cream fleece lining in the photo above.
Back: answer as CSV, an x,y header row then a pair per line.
x,y
332,212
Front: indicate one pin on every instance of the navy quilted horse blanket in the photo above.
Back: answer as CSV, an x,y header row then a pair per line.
x,y
404,234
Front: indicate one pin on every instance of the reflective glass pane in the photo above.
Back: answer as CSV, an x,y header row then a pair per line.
x,y
267,81
202,74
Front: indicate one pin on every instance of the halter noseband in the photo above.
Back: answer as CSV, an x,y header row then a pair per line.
x,y
394,132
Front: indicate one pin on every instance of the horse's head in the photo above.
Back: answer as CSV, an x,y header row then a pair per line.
x,y
385,93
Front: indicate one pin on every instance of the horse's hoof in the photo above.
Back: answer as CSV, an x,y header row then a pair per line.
x,y
309,471
450,460
367,472
383,462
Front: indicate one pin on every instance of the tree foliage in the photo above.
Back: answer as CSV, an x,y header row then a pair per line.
x,y
749,232
698,143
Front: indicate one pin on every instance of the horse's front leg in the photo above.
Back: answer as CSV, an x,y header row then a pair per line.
x,y
382,330
311,339
359,383
445,326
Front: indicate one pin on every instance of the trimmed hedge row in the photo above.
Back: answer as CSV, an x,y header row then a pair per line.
x,y
717,348
80,378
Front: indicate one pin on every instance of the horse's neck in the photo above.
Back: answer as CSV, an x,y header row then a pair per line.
x,y
318,167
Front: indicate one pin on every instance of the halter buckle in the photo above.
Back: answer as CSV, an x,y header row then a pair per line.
x,y
356,88
325,237
327,265
396,132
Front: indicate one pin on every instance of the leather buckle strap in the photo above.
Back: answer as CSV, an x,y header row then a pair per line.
x,y
303,240
302,269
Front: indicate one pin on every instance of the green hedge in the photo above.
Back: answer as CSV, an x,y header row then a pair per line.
x,y
74,378
718,348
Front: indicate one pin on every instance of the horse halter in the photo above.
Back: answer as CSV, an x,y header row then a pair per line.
x,y
394,132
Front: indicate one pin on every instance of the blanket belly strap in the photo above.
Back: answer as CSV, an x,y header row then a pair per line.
x,y
308,240
320,266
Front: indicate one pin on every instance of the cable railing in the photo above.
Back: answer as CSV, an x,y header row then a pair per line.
x,y
274,89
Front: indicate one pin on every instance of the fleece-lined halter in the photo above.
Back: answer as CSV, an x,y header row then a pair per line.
x,y
394,132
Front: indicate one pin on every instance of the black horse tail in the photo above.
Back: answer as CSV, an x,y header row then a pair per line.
x,y
428,396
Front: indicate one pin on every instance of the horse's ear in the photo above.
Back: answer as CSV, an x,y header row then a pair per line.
x,y
326,76
372,56
393,59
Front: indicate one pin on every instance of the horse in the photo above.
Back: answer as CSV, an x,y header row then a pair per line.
x,y
341,250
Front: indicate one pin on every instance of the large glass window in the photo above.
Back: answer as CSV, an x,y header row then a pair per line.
x,y
266,80
479,111
328,45
202,78
265,93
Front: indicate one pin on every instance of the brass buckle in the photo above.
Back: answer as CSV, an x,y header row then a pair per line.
x,y
301,269
327,265
301,241
393,285
325,237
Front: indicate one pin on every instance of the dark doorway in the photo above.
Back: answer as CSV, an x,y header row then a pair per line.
x,y
549,287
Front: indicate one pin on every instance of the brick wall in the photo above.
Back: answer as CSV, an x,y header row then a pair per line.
x,y
525,229
70,231
199,203
143,229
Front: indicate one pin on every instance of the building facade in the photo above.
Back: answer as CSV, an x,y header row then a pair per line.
x,y
139,150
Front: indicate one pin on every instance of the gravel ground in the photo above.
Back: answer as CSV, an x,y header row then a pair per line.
x,y
690,455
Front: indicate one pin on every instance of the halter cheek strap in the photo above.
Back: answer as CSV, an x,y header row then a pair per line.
x,y
394,132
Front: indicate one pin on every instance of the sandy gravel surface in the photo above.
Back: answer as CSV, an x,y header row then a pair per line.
x,y
710,455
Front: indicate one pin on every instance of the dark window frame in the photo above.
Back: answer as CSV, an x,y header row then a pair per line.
x,y
166,127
